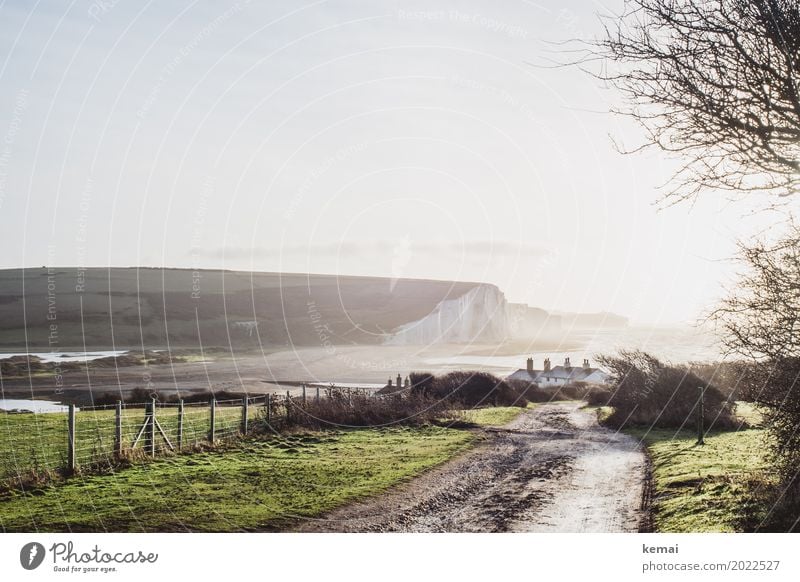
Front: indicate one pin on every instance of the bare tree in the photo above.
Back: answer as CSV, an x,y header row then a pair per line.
x,y
761,321
716,82
761,316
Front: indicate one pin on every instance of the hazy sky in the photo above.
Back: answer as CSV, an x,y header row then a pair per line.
x,y
401,139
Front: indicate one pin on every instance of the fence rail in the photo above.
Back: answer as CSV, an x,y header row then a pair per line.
x,y
90,437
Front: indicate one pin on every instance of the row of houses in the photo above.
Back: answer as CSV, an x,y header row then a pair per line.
x,y
550,376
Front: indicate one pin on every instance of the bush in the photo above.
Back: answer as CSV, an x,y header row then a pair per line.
x,y
473,389
597,396
421,382
773,385
531,392
648,392
726,376
340,409
466,389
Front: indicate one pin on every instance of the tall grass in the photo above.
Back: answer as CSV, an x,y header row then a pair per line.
x,y
341,408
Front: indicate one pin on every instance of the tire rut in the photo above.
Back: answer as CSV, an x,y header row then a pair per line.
x,y
551,469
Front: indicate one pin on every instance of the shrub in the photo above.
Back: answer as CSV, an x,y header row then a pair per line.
x,y
773,385
421,382
468,389
531,392
646,391
726,376
340,409
597,396
476,389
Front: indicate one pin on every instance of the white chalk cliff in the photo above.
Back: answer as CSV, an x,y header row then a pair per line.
x,y
477,316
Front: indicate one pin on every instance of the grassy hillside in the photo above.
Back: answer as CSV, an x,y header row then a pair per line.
x,y
711,487
35,443
261,483
67,308
706,488
256,486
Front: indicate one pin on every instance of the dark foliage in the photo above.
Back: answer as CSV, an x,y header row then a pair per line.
x,y
775,386
596,395
421,382
531,392
343,409
468,389
760,318
727,377
649,392
472,389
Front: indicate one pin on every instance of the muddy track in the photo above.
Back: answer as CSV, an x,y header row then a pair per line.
x,y
552,469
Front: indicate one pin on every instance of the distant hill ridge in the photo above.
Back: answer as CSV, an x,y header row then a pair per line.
x,y
186,308
69,308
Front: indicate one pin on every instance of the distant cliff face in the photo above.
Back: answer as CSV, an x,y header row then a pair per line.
x,y
479,315
72,308
525,321
60,308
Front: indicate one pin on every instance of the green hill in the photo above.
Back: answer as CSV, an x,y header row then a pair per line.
x,y
67,308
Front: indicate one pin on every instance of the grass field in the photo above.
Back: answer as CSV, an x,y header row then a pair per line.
x,y
492,416
253,484
257,485
36,443
706,488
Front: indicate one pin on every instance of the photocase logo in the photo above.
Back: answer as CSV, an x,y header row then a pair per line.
x,y
31,555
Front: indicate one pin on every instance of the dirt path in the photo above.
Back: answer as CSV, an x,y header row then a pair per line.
x,y
552,469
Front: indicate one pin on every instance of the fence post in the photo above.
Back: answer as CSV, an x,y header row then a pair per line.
x,y
304,395
118,430
71,439
349,397
150,443
180,424
317,394
700,415
269,409
212,433
244,415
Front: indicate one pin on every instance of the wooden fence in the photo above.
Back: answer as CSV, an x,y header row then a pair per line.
x,y
95,436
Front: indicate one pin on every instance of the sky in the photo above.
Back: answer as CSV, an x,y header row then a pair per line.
x,y
429,139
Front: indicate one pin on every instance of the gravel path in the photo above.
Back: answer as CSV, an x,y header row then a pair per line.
x,y
552,469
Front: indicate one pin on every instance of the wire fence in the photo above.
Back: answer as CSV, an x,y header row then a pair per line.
x,y
91,437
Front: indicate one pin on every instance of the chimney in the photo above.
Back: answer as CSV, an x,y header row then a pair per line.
x,y
547,364
530,365
399,381
586,363
566,363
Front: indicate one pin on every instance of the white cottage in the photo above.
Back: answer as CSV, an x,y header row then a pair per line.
x,y
560,375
